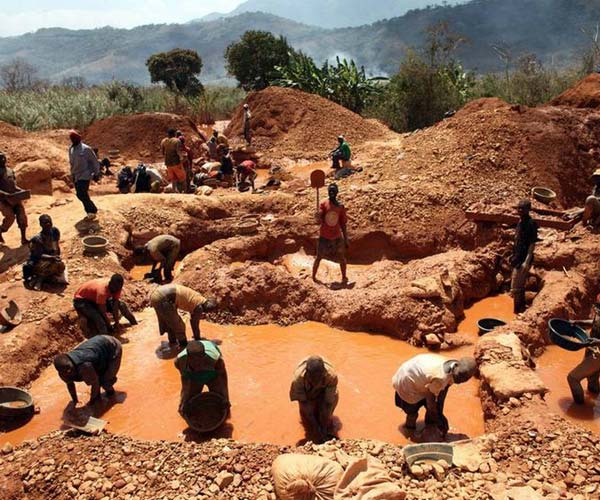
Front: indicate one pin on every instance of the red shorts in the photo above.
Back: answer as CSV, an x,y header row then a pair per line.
x,y
176,173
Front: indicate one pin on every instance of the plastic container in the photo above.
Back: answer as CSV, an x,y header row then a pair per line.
x,y
205,412
15,403
428,451
247,226
565,334
544,195
486,325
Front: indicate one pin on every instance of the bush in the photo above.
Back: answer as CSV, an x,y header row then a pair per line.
x,y
63,107
178,69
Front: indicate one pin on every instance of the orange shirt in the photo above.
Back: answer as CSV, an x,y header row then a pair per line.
x,y
333,219
96,291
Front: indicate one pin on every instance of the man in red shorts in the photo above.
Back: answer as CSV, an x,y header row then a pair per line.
x,y
333,238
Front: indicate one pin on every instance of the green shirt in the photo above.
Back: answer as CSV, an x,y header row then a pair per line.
x,y
345,150
203,377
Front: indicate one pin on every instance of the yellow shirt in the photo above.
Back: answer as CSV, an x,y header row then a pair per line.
x,y
187,299
301,391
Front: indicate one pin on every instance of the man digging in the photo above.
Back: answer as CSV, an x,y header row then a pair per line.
x,y
424,380
333,237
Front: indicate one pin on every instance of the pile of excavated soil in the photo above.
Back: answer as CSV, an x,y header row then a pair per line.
x,y
293,124
520,462
21,146
138,137
586,94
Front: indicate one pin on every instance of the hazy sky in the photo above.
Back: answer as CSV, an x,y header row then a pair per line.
x,y
22,16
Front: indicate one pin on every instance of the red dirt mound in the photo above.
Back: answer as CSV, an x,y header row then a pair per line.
x,y
8,130
293,124
586,94
138,136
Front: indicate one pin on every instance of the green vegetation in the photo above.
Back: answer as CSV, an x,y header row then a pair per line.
x,y
343,82
178,69
66,107
254,59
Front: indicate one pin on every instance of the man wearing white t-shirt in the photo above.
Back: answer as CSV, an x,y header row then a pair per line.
x,y
424,381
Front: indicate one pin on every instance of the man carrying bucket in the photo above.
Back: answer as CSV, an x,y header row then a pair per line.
x,y
200,364
333,238
590,364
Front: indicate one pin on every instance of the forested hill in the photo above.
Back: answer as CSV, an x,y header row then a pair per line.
x,y
551,29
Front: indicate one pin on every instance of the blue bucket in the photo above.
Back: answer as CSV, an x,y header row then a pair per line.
x,y
565,334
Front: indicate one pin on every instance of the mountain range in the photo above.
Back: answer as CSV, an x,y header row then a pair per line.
x,y
551,29
330,13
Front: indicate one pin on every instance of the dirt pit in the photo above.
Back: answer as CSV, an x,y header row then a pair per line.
x,y
145,405
139,272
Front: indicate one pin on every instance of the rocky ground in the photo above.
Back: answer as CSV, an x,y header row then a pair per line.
x,y
417,263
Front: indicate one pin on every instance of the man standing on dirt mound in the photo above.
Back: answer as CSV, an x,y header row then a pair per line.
x,y
424,381
84,168
10,209
171,149
333,237
247,124
522,257
315,388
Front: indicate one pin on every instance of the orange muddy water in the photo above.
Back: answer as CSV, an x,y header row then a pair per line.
x,y
553,367
260,361
139,272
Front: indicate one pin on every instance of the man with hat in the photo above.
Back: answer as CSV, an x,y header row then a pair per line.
x,y
590,364
525,238
341,153
333,237
10,208
424,380
84,168
314,386
95,362
591,211
200,364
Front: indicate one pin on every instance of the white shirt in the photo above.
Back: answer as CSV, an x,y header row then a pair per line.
x,y
422,375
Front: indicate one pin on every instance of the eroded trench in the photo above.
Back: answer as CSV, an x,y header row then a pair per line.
x,y
261,358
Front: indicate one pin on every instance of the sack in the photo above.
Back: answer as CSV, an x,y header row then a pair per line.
x,y
305,477
367,479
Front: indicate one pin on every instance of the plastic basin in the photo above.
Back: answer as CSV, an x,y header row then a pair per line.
x,y
205,412
428,452
95,244
486,325
11,315
542,194
15,403
247,226
565,334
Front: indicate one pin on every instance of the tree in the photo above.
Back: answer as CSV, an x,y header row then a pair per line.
x,y
252,60
178,69
18,75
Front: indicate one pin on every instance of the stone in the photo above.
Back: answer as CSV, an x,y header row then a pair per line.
x,y
90,476
7,448
432,340
508,381
35,176
223,479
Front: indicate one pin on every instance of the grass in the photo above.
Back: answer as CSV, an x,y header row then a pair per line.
x,y
64,107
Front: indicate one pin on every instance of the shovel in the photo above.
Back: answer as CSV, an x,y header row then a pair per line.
x,y
317,180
